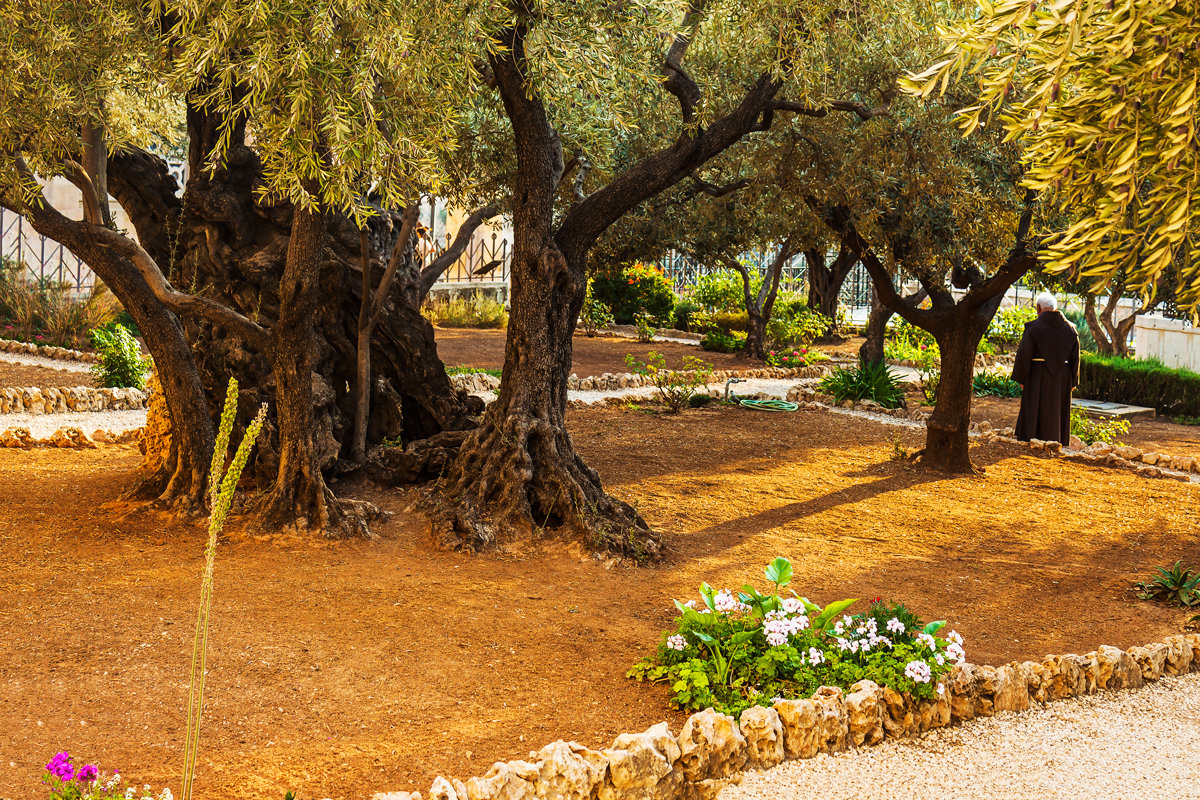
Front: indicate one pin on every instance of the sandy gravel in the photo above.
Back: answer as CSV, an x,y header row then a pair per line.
x,y
42,425
1136,744
48,363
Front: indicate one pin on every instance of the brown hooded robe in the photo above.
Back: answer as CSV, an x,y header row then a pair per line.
x,y
1047,367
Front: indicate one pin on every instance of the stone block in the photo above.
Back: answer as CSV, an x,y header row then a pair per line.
x,y
1179,655
1128,453
864,714
763,730
799,718
1116,670
641,766
568,771
1151,659
711,746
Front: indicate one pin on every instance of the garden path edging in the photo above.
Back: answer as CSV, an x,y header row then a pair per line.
x,y
68,436
46,351
60,400
712,749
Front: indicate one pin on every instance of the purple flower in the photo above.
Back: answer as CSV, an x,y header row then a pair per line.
x,y
88,773
60,766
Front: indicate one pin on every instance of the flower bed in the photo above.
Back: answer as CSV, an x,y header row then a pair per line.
x,y
734,651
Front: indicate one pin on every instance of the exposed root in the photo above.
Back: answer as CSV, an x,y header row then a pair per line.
x,y
522,478
315,513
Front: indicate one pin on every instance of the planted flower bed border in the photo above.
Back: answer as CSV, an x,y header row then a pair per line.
x,y
47,351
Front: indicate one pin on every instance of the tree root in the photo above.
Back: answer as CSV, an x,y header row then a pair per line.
x,y
522,478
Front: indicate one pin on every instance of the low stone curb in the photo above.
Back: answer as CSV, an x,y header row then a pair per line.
x,y
982,361
56,400
68,437
610,381
46,351
713,749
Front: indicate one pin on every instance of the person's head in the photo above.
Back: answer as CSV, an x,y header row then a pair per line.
x,y
1045,302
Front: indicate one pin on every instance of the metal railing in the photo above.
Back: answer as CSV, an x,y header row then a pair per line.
x,y
45,260
684,271
487,259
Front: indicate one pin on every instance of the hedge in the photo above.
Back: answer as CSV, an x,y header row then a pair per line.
x,y
1173,392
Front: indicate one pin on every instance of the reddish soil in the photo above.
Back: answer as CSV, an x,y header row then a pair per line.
x,y
342,669
13,375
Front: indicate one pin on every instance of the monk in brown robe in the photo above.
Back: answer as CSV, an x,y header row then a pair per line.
x,y
1047,367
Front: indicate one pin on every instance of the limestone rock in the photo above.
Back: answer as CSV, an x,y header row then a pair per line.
x,y
763,730
711,746
17,437
396,796
1151,458
1193,639
1075,443
1183,463
1009,690
1116,669
568,771
72,438
1151,659
1147,471
1100,448
832,721
641,766
102,436
799,718
1179,655
1064,677
447,789
864,714
898,718
964,693
155,442
512,780
1128,453
1034,675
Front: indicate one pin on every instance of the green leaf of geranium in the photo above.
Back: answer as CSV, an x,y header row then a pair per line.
x,y
779,571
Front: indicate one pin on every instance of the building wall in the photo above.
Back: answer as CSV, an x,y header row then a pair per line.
x,y
1172,341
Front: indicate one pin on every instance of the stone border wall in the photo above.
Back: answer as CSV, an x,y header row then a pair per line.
x,y
46,351
57,400
69,436
713,749
613,381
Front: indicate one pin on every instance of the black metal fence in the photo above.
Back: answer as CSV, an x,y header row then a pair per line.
x,y
684,272
44,260
487,259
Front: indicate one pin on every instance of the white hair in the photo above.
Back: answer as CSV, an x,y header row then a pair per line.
x,y
1045,302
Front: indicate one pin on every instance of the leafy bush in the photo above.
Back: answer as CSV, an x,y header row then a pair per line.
x,y
645,331
1087,341
1172,392
931,381
675,387
905,349
476,311
798,329
901,329
718,341
1008,326
865,382
121,362
594,316
684,311
732,651
632,289
1177,586
1184,420
1091,430
728,321
724,290
997,384
465,370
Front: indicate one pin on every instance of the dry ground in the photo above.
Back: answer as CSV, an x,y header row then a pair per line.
x,y
343,669
22,375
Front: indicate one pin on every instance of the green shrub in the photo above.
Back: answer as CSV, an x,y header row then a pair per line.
x,y
904,349
634,289
727,321
718,341
1086,340
1008,326
645,331
121,363
901,329
464,370
594,316
798,329
732,650
1185,420
724,290
1091,430
476,311
1172,392
50,313
997,384
675,387
683,314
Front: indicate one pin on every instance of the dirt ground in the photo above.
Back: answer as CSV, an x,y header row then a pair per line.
x,y
13,375
342,669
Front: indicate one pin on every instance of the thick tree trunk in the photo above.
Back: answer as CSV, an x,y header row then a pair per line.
x,y
946,440
1104,345
180,483
825,281
518,475
871,351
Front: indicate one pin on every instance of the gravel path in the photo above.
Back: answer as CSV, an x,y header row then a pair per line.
x,y
1122,746
42,425
48,363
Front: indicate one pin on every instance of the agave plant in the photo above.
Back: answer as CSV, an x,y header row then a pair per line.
x,y
865,382
1177,586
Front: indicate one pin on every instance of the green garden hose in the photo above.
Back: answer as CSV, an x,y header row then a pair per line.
x,y
768,405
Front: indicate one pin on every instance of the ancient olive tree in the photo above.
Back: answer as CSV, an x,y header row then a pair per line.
x,y
698,77
304,129
1103,99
